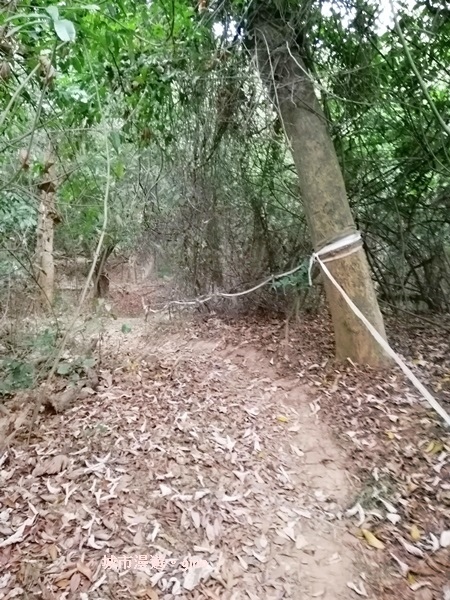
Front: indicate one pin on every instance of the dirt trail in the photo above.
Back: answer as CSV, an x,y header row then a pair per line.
x,y
187,447
322,560
298,483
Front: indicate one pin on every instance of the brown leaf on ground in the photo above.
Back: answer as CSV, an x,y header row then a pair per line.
x,y
52,465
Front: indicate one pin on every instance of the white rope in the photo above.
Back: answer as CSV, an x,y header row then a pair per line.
x,y
348,240
203,299
379,338
342,254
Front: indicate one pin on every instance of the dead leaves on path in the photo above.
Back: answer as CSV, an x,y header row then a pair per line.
x,y
178,457
210,469
397,446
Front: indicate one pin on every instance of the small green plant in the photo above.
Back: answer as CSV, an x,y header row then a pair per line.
x,y
299,280
15,375
75,369
44,341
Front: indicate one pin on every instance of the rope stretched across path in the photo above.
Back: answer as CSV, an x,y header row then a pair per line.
x,y
338,249
203,299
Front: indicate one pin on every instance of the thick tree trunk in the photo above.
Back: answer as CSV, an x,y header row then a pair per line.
x,y
44,262
322,189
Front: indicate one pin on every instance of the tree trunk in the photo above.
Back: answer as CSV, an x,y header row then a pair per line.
x,y
101,279
44,263
322,188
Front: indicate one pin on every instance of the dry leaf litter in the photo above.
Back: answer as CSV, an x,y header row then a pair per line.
x,y
399,451
186,447
210,440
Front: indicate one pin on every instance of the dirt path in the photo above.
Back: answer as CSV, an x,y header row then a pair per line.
x,y
187,448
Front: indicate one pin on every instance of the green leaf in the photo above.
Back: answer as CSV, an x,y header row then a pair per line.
x,y
119,170
64,368
19,16
114,136
65,30
126,328
88,363
53,12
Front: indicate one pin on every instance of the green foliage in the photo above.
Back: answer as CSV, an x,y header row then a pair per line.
x,y
44,342
297,281
15,375
31,358
24,359
200,174
17,215
76,368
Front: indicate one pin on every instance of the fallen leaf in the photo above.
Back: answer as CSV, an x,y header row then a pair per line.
x,y
357,510
404,568
414,550
372,540
84,570
165,489
390,508
297,451
359,590
138,539
75,582
18,536
434,447
444,540
393,518
419,584
194,576
99,583
289,531
435,544
93,544
415,533
52,466
430,447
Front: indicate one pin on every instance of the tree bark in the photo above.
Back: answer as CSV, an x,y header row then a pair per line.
x,y
322,188
47,216
101,279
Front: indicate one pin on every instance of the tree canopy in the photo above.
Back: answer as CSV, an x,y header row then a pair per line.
x,y
198,168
